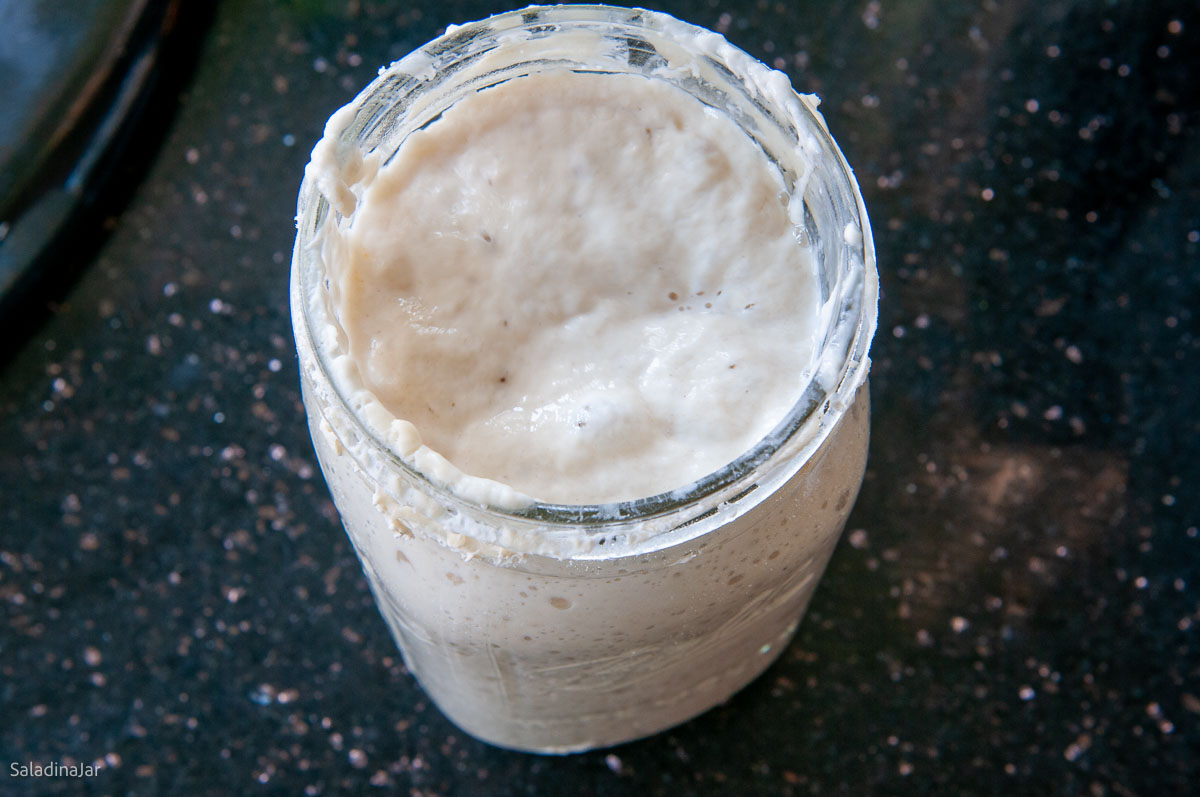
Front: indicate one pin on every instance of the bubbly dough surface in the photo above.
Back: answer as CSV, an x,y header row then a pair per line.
x,y
586,287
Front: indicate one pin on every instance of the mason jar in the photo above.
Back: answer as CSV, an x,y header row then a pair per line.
x,y
557,628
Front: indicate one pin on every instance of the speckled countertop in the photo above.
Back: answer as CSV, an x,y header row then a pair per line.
x,y
1014,608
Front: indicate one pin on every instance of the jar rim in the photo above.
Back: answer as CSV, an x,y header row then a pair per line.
x,y
816,411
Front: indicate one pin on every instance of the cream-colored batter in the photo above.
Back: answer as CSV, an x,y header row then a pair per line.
x,y
586,287
492,315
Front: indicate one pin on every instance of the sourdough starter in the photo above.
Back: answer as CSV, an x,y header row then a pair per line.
x,y
571,289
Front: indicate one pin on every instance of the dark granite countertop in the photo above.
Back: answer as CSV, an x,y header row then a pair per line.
x,y
1013,610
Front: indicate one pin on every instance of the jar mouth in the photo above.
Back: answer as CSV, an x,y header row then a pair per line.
x,y
785,125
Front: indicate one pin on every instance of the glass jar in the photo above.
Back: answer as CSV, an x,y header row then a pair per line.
x,y
558,628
